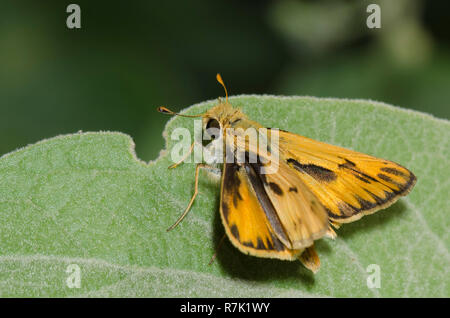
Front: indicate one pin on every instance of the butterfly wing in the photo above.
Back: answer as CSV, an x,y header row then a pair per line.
x,y
249,218
301,214
349,184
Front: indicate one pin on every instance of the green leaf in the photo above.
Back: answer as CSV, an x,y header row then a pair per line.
x,y
86,199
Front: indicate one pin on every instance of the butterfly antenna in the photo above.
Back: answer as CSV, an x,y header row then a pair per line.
x,y
165,110
220,80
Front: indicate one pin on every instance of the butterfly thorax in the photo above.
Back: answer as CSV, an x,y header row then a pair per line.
x,y
228,117
240,137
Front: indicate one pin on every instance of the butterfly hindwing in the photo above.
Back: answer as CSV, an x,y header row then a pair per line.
x,y
249,219
301,214
348,183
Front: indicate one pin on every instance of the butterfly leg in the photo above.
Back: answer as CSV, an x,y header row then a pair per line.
x,y
197,169
184,158
310,259
335,224
330,232
217,250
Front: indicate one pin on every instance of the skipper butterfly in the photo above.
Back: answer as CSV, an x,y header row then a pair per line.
x,y
315,188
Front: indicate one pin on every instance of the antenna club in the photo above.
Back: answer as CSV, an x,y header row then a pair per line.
x,y
163,109
220,80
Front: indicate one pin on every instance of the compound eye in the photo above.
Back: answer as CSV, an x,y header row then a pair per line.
x,y
213,128
213,123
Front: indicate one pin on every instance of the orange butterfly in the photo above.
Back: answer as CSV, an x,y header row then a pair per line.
x,y
316,188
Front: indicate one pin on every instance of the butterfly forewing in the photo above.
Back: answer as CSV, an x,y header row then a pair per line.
x,y
348,183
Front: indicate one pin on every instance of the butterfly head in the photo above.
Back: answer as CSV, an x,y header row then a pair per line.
x,y
221,116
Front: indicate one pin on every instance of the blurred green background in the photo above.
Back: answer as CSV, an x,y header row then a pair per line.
x,y
130,57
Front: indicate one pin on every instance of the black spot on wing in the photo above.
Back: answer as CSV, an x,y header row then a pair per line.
x,y
260,245
231,179
235,201
315,171
277,245
225,211
385,178
237,198
401,186
234,231
356,172
231,184
366,205
236,121
269,244
364,175
388,196
393,171
347,164
293,189
275,188
361,178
